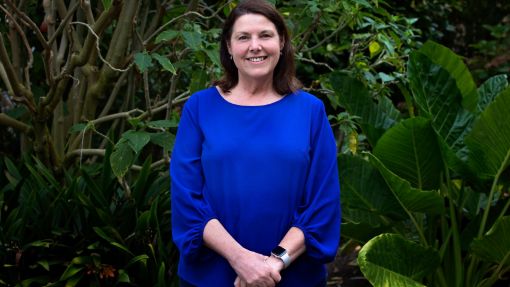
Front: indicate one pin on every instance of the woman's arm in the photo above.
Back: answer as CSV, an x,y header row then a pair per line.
x,y
294,243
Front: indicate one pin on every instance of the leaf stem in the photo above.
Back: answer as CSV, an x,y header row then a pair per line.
x,y
491,194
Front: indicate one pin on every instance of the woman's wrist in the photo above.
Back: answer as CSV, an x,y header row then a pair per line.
x,y
275,263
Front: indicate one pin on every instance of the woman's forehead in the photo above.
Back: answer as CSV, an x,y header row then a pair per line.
x,y
249,22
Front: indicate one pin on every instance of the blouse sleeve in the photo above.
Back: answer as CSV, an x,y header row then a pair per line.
x,y
319,214
190,211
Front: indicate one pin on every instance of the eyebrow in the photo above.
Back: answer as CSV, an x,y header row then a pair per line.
x,y
261,32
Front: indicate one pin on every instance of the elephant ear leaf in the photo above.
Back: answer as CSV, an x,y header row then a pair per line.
x,y
444,92
410,150
490,89
363,188
489,140
453,63
495,245
376,115
412,199
391,260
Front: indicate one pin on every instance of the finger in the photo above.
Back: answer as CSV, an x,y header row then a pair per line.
x,y
276,276
236,282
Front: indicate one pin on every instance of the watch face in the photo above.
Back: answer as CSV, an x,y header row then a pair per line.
x,y
278,251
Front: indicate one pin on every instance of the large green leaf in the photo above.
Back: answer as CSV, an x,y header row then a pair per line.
x,y
139,189
143,61
438,98
412,199
453,63
137,139
193,40
495,245
410,150
376,116
165,140
389,260
165,63
12,174
489,140
363,188
103,232
167,35
490,89
122,158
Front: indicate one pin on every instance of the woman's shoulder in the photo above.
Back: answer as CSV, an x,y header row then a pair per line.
x,y
207,92
201,96
308,98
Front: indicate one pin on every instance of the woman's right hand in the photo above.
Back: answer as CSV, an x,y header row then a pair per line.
x,y
253,270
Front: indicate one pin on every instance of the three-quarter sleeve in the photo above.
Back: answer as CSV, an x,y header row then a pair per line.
x,y
319,214
190,211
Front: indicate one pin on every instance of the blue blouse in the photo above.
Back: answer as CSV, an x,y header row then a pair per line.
x,y
259,170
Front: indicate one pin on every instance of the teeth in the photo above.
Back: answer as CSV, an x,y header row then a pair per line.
x,y
258,59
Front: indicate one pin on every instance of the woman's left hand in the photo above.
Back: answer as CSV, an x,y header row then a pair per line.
x,y
275,266
253,270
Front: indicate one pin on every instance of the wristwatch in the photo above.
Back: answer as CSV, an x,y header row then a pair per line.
x,y
282,254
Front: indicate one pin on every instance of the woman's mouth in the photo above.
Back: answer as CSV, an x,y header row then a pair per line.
x,y
256,59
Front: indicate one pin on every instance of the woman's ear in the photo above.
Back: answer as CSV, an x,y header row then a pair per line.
x,y
228,47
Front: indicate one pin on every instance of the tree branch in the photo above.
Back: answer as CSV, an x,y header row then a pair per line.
x,y
18,88
11,122
88,11
22,35
115,55
99,26
113,94
63,23
31,24
181,16
127,114
314,62
146,92
101,152
325,39
99,49
309,31
5,79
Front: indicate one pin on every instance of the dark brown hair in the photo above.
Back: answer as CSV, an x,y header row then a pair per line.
x,y
284,75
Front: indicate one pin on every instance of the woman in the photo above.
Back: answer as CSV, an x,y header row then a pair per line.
x,y
255,191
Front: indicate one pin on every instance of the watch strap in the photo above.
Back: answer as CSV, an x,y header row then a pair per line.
x,y
285,257
282,254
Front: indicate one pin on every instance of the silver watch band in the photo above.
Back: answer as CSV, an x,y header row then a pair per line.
x,y
284,257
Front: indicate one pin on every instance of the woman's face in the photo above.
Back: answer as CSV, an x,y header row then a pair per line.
x,y
255,46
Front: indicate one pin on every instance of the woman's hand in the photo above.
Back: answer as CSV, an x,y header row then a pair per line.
x,y
253,270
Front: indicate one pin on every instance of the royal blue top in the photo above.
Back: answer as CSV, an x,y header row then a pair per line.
x,y
259,170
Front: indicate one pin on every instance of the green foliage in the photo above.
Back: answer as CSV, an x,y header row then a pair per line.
x,y
84,230
390,260
440,176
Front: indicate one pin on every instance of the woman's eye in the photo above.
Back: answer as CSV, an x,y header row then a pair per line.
x,y
242,37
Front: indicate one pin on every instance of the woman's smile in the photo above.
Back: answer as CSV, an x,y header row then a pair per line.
x,y
257,59
255,47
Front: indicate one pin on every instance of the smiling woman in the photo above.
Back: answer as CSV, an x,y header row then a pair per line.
x,y
255,48
255,191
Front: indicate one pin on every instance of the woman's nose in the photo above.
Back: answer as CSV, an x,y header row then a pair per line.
x,y
255,45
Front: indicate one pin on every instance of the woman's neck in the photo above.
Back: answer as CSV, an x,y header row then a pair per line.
x,y
255,87
252,93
